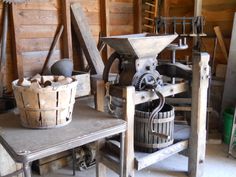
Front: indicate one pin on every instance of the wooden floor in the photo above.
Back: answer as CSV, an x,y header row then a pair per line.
x,y
217,165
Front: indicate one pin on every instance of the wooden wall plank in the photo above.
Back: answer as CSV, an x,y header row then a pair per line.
x,y
36,31
37,17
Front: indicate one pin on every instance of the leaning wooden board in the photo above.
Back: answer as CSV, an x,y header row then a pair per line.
x,y
84,35
229,96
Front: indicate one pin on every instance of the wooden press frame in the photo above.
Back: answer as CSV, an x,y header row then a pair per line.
x,y
197,141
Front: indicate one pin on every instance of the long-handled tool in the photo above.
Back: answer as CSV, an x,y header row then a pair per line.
x,y
52,48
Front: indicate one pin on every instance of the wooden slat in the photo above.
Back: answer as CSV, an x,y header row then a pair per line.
x,y
36,31
121,8
142,161
38,44
36,5
87,43
121,19
221,42
37,17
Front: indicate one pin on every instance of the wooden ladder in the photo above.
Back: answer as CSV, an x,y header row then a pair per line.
x,y
149,14
232,143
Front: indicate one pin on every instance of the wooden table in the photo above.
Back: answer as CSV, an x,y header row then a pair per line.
x,y
88,125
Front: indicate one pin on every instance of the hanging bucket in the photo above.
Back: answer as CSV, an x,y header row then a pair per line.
x,y
163,123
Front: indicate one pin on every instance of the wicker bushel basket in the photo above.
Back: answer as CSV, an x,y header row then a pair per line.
x,y
163,123
48,107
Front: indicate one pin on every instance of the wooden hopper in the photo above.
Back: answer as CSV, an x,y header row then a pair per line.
x,y
141,45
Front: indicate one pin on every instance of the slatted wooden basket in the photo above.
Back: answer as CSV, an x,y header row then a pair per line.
x,y
45,107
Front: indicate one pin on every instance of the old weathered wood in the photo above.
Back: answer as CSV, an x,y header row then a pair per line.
x,y
15,42
143,160
67,37
229,96
137,16
221,42
105,23
87,42
52,48
197,141
84,86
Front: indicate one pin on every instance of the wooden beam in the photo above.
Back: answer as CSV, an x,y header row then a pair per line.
x,y
105,24
87,42
137,16
221,42
162,154
67,51
197,141
15,42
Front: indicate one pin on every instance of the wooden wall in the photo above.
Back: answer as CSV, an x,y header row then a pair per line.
x,y
34,25
218,13
121,17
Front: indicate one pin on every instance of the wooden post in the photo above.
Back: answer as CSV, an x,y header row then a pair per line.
x,y
67,51
100,167
197,142
105,24
138,16
129,105
100,95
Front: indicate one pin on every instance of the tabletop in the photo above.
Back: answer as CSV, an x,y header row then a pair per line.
x,y
26,145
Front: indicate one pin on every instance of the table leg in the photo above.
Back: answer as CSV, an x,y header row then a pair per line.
x,y
73,160
100,167
122,148
27,169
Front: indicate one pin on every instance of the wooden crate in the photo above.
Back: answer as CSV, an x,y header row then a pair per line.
x,y
84,86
